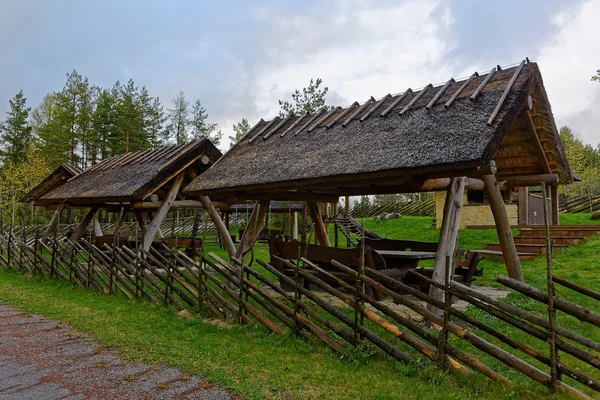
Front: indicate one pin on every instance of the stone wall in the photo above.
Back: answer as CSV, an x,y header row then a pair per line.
x,y
477,214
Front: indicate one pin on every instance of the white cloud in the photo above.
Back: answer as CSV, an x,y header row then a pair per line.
x,y
356,49
567,60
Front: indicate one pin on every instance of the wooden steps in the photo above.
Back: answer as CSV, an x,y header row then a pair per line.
x,y
532,239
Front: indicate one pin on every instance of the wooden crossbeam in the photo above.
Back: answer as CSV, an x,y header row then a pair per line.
x,y
537,145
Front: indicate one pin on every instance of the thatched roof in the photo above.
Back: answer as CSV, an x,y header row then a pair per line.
x,y
57,178
379,146
135,176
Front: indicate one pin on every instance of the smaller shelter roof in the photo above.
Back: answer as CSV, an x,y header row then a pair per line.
x,y
133,177
57,178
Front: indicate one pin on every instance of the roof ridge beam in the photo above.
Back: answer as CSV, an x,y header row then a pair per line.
x,y
506,91
309,122
416,98
279,125
357,112
296,122
439,93
139,155
343,114
375,107
396,102
263,130
482,84
324,118
460,89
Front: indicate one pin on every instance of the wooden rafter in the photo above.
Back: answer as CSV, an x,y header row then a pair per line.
x,y
537,145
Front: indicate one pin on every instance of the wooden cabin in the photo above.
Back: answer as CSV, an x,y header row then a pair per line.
x,y
488,131
147,183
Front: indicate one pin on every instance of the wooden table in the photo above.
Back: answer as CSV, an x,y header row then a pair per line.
x,y
404,260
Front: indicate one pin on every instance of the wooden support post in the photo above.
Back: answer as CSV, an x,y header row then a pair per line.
x,y
336,242
119,222
80,231
159,233
295,227
220,225
162,211
347,214
509,251
252,230
523,205
321,233
554,202
97,227
448,238
53,225
141,222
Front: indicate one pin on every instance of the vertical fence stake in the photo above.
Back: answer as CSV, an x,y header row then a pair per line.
x,y
554,358
443,336
241,292
360,288
35,248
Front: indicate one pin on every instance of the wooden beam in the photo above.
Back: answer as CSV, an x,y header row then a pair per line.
x,y
80,231
537,145
321,234
220,225
448,238
141,222
554,203
295,227
159,233
252,230
532,180
53,225
97,227
119,221
511,258
151,205
162,211
523,205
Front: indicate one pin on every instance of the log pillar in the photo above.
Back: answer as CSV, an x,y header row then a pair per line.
x,y
448,237
321,234
554,202
347,214
97,227
220,225
80,231
141,222
162,212
255,224
53,225
295,227
507,243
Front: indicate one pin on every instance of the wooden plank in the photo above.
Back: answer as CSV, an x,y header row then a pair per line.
x,y
448,237
511,257
162,211
321,233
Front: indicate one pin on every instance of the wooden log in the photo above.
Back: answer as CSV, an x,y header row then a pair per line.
x,y
119,222
152,205
220,225
80,231
532,180
141,222
321,234
448,237
162,211
523,205
379,342
252,230
97,227
576,287
511,257
53,224
555,204
570,308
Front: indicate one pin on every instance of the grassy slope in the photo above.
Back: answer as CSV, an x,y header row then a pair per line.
x,y
260,365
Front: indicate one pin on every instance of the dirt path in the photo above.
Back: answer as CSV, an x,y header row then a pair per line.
x,y
43,359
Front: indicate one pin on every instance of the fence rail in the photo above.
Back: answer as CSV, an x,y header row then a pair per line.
x,y
253,295
422,207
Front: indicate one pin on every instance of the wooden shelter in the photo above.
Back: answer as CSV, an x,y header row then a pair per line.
x,y
57,178
144,182
486,131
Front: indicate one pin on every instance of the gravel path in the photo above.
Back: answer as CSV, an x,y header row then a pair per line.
x,y
43,359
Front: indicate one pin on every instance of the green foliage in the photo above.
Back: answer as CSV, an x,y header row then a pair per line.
x,y
597,76
15,131
310,100
584,159
240,129
200,127
179,118
358,355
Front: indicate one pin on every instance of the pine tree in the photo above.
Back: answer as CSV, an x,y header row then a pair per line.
x,y
179,119
104,126
308,101
15,131
129,118
156,123
240,129
52,140
597,76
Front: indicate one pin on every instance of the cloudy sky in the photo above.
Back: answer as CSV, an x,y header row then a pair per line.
x,y
240,57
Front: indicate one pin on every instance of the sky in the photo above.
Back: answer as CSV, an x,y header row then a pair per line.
x,y
240,57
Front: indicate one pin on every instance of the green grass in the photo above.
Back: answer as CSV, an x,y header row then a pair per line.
x,y
257,364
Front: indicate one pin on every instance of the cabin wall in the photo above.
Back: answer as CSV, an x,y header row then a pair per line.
x,y
473,214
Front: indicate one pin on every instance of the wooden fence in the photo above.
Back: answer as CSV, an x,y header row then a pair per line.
x,y
423,206
347,316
